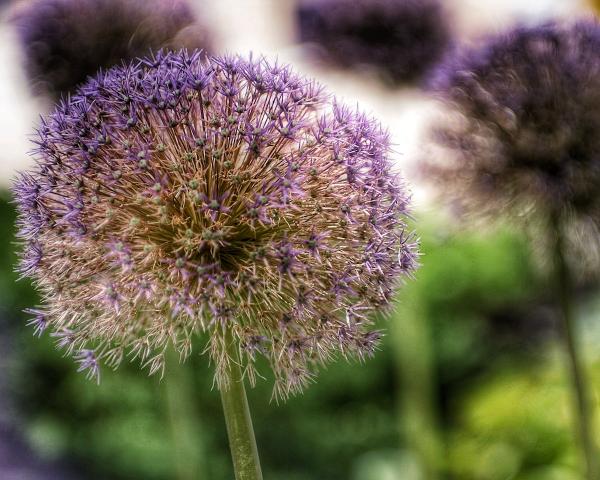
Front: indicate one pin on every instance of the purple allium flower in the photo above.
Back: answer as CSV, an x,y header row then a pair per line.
x,y
65,41
226,207
402,39
524,131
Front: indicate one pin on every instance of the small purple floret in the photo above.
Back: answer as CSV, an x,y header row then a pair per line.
x,y
88,363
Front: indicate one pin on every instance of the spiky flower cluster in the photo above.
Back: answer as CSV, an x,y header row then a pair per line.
x,y
524,135
177,196
65,41
401,39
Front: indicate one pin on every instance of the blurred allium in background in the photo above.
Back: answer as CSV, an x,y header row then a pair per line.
x,y
522,133
65,41
400,39
177,196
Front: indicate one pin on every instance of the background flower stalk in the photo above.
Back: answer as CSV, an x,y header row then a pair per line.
x,y
582,398
240,431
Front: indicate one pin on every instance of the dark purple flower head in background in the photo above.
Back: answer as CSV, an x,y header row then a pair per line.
x,y
524,132
230,197
66,41
401,39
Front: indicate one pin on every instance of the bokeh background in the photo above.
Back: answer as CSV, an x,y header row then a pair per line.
x,y
468,383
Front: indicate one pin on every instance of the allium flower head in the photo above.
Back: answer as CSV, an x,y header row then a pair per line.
x,y
65,41
401,39
525,132
232,197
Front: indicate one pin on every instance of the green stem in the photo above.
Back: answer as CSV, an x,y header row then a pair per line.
x,y
239,423
581,404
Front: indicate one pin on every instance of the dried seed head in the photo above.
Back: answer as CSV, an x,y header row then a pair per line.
x,y
185,245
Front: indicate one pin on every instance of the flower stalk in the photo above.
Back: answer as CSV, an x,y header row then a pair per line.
x,y
240,432
582,413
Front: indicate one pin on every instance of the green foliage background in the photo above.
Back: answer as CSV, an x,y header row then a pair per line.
x,y
468,384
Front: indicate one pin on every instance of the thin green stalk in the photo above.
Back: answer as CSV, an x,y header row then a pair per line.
x,y
581,404
242,443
